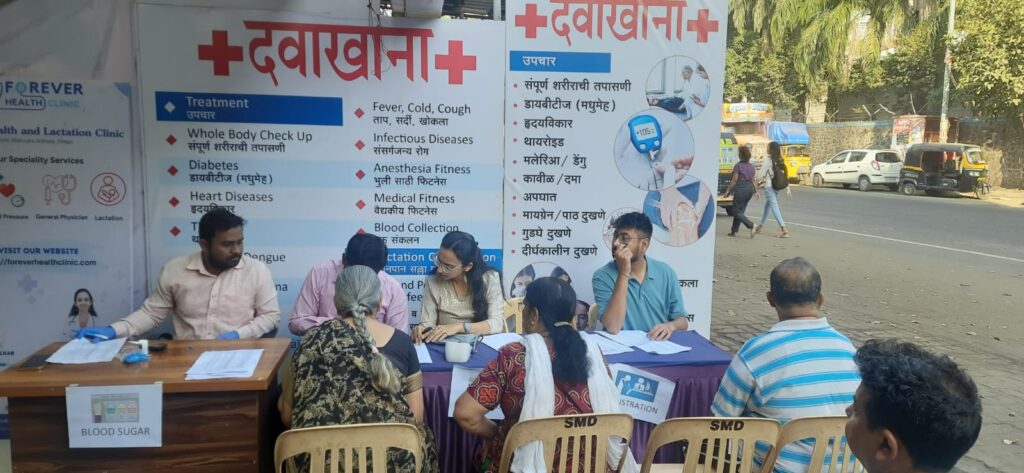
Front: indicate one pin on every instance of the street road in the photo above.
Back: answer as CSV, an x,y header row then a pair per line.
x,y
945,272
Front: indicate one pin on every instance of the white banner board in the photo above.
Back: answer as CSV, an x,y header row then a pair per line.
x,y
587,83
314,128
66,197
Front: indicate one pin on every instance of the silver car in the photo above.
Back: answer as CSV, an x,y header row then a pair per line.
x,y
863,167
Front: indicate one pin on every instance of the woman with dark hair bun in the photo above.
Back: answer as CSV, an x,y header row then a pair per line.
x,y
556,370
462,294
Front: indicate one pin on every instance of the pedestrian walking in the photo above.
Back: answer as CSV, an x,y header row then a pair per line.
x,y
773,179
742,187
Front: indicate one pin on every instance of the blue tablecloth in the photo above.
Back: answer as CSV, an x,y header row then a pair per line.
x,y
703,353
697,374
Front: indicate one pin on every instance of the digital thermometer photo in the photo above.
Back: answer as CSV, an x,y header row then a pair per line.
x,y
645,134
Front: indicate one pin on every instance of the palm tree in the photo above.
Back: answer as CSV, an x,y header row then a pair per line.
x,y
821,32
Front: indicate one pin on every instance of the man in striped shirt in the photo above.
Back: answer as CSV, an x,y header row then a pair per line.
x,y
801,367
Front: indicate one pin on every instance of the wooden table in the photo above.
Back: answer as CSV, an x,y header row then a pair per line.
x,y
208,425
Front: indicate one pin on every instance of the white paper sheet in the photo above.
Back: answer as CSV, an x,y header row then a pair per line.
x,y
423,354
663,347
499,340
629,338
79,351
461,377
609,347
225,364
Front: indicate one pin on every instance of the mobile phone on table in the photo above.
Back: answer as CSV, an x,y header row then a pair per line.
x,y
35,362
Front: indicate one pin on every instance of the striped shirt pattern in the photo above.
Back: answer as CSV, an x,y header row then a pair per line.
x,y
798,368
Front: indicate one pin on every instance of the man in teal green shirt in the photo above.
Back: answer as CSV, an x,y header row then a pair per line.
x,y
634,292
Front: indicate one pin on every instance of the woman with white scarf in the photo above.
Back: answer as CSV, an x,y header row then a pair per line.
x,y
554,371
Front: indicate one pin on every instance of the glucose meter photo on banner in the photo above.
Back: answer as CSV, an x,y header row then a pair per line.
x,y
645,134
653,150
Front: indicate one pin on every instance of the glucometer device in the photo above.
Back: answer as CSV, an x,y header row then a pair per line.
x,y
645,134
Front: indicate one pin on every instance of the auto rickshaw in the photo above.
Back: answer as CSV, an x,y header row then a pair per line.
x,y
794,143
944,167
728,156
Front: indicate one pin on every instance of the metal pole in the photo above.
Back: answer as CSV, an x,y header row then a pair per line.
x,y
948,62
496,5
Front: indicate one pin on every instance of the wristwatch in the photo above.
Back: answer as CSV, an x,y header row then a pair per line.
x,y
466,326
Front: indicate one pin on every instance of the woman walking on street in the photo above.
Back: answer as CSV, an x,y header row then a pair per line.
x,y
742,185
771,197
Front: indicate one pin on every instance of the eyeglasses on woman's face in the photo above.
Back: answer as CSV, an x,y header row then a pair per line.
x,y
445,267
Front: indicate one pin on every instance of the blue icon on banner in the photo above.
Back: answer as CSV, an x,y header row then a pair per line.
x,y
636,386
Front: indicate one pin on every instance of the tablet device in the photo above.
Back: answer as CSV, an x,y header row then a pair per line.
x,y
35,362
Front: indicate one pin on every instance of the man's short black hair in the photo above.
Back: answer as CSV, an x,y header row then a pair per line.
x,y
636,221
366,249
216,221
795,282
924,399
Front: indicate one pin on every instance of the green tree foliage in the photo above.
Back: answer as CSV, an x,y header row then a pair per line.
x,y
818,32
988,58
911,72
758,73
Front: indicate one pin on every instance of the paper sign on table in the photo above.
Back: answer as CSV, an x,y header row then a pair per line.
x,y
499,340
115,416
225,364
80,351
461,377
643,395
423,354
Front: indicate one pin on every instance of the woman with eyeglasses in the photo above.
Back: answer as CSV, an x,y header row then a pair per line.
x,y
555,370
462,294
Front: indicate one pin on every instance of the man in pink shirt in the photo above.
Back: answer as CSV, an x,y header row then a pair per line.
x,y
315,304
215,293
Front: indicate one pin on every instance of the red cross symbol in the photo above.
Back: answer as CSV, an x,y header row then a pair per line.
x,y
220,52
702,25
531,21
454,62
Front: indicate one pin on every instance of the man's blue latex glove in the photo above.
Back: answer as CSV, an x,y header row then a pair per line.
x,y
97,334
232,335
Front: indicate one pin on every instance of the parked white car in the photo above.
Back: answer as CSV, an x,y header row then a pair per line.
x,y
863,167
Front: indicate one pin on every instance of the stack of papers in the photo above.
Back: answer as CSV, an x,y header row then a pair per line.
x,y
609,347
225,364
663,347
638,339
629,338
80,351
423,354
499,340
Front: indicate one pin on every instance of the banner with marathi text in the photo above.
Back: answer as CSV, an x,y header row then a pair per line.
x,y
612,107
315,128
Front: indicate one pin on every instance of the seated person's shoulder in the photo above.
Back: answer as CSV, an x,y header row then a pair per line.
x,y
607,270
512,349
401,339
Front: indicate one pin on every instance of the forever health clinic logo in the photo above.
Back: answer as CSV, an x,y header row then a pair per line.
x,y
39,95
636,386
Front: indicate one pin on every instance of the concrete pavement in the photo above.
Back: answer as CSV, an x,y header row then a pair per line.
x,y
942,272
